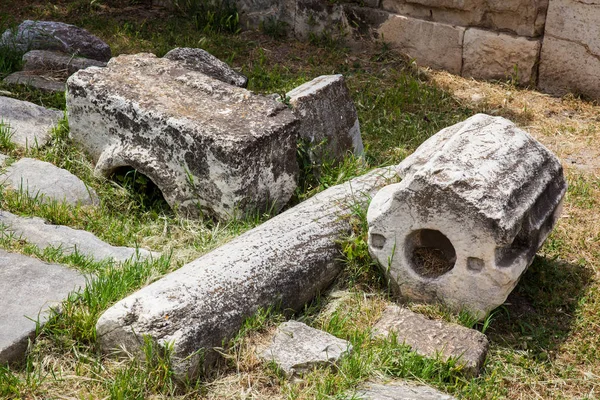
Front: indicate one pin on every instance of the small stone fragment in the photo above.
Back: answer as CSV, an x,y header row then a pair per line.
x,y
328,119
36,231
400,390
298,348
45,83
40,179
431,338
55,62
30,124
28,289
202,61
50,35
476,202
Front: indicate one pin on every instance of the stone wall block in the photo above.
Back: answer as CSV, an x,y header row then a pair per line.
x,y
492,55
476,202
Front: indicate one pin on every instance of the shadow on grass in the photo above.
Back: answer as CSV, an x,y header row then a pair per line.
x,y
538,315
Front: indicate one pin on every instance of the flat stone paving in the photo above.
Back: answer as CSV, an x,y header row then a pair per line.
x,y
28,289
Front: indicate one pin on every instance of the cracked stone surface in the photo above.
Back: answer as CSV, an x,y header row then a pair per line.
x,y
46,181
202,61
39,81
57,62
297,348
570,58
50,35
399,390
434,339
211,148
476,202
28,289
36,231
29,123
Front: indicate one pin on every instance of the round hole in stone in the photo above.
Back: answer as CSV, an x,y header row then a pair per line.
x,y
430,253
377,241
140,187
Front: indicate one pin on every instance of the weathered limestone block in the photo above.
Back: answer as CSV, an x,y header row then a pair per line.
x,y
297,348
363,22
432,44
284,262
435,338
492,55
36,231
56,62
476,202
253,13
28,289
202,61
49,35
462,14
521,17
316,17
46,182
328,119
570,59
210,147
29,123
41,82
400,390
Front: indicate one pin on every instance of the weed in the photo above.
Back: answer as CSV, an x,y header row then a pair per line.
x,y
274,28
6,134
211,15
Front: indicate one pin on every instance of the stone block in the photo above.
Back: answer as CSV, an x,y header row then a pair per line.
x,y
210,147
41,234
318,17
254,13
476,202
431,44
492,55
28,290
37,81
328,119
45,181
434,339
399,390
30,124
297,348
56,62
50,35
202,61
464,16
570,58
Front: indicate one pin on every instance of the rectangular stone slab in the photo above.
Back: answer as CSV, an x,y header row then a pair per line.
x,y
28,289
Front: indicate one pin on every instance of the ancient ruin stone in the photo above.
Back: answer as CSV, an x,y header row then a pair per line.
x,y
29,124
570,58
28,289
46,182
316,17
37,81
208,146
38,232
328,119
297,348
492,55
55,62
431,44
202,61
49,35
399,390
476,202
435,339
284,262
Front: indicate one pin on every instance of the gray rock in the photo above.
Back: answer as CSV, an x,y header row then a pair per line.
x,y
434,339
28,289
56,62
476,202
570,58
316,17
284,262
36,231
202,61
254,13
46,181
29,123
400,390
328,119
210,147
42,82
49,35
297,348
